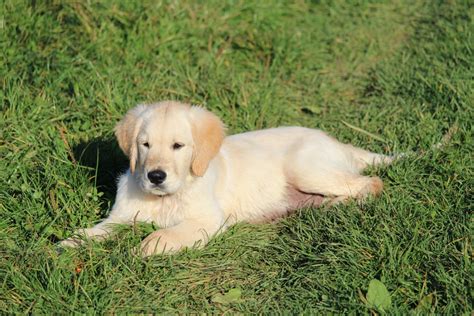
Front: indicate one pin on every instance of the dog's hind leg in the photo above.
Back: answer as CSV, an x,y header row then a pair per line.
x,y
332,169
336,183
363,158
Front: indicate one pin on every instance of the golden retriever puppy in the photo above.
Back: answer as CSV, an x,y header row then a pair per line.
x,y
193,182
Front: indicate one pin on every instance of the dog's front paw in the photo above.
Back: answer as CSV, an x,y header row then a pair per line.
x,y
158,242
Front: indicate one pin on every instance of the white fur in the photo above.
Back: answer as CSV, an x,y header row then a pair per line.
x,y
255,176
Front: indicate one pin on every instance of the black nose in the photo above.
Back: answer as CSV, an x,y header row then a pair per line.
x,y
157,176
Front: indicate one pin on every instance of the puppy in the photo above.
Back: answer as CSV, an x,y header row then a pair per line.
x,y
193,182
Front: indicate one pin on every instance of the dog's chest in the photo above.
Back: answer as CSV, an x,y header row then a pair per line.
x,y
164,212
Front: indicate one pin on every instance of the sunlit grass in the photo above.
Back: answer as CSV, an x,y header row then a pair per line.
x,y
389,76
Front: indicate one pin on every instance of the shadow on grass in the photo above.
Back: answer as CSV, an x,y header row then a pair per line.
x,y
105,162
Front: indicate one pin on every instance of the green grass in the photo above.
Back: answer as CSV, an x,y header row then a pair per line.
x,y
400,71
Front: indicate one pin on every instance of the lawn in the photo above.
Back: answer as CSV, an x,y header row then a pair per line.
x,y
389,76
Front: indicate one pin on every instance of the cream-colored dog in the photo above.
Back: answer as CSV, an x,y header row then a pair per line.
x,y
193,182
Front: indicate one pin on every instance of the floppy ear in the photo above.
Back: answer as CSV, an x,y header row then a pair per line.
x,y
126,132
208,134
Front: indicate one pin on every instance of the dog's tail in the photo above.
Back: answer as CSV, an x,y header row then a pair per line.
x,y
366,158
445,140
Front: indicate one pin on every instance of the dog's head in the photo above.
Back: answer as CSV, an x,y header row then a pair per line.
x,y
168,144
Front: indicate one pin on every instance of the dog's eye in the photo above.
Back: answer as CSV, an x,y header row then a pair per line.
x,y
146,145
177,146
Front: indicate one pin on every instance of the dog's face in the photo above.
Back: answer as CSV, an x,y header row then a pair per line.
x,y
169,144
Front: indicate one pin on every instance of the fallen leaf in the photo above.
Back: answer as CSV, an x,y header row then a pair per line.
x,y
233,296
425,303
378,296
